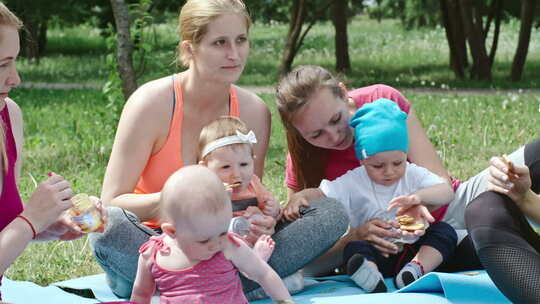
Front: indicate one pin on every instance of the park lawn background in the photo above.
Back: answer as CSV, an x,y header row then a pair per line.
x,y
379,52
71,131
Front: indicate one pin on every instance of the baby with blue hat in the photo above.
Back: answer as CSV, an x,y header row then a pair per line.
x,y
386,181
379,126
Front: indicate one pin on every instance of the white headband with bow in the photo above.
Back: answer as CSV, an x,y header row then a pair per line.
x,y
239,138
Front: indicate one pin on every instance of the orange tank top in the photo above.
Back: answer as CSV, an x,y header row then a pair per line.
x,y
169,158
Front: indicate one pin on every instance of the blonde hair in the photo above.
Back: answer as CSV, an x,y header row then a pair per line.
x,y
7,18
219,128
292,93
197,14
190,191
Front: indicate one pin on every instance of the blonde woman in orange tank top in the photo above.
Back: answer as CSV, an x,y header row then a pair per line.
x,y
161,121
158,133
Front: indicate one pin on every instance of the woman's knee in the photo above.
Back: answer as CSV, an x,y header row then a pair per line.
x,y
115,218
332,213
122,227
488,209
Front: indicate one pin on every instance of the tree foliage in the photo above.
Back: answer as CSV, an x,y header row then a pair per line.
x,y
38,14
412,13
471,21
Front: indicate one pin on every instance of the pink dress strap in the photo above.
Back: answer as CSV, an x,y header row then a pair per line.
x,y
156,242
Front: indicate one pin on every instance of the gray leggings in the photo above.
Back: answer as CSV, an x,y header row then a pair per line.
x,y
297,243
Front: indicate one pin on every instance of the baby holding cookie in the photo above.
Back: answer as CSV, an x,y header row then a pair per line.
x,y
388,187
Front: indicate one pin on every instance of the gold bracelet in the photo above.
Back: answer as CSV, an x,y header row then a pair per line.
x,y
288,301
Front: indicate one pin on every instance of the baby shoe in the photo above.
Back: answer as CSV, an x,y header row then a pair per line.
x,y
408,274
365,275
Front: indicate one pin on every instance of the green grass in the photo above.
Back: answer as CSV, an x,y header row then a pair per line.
x,y
380,53
71,132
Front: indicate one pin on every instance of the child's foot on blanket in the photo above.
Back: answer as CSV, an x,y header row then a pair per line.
x,y
365,274
408,274
264,247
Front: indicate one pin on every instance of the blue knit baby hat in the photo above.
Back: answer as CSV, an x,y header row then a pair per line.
x,y
379,126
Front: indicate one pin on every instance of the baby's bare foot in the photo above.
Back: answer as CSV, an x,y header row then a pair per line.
x,y
264,247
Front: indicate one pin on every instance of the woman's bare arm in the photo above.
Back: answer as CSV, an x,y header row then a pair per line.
x,y
421,150
141,132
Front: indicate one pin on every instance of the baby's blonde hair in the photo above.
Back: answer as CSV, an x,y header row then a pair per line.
x,y
197,14
191,191
219,128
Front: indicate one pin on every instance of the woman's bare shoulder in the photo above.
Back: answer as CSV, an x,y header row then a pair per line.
x,y
251,103
15,113
153,98
13,107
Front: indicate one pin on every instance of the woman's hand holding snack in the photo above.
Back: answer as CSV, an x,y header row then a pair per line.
x,y
63,229
50,199
509,179
376,231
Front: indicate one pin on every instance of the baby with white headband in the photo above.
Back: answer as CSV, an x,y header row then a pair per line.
x,y
226,147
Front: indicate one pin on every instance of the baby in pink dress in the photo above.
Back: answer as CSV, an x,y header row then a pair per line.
x,y
196,260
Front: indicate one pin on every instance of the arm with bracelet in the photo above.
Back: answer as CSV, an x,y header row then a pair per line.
x,y
43,209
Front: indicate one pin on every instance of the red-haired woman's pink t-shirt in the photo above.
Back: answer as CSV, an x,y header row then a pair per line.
x,y
341,161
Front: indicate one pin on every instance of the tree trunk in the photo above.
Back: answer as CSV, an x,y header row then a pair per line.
x,y
498,16
454,35
461,39
295,28
527,15
474,32
343,63
379,14
30,39
295,36
124,47
42,38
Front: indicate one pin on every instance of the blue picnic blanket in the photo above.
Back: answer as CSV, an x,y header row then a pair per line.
x,y
431,288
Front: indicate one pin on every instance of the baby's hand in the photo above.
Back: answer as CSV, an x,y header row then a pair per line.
x,y
404,202
421,215
271,207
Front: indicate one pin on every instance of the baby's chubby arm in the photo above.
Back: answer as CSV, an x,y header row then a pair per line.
x,y
144,285
434,196
247,262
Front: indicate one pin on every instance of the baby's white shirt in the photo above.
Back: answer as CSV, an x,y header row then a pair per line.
x,y
355,191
